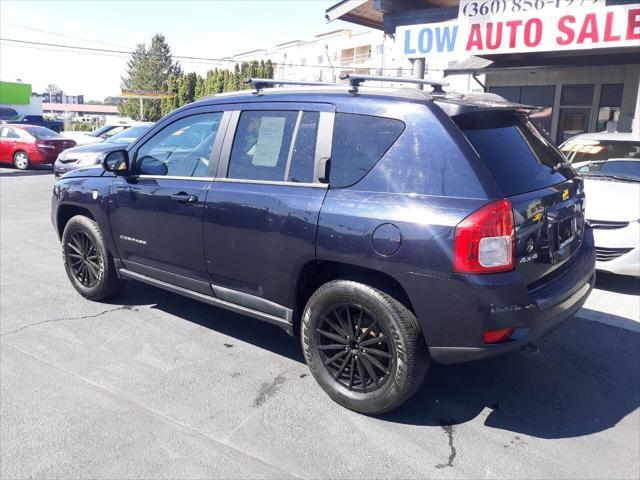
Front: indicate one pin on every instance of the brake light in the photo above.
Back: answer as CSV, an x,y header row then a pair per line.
x,y
497,336
485,241
44,145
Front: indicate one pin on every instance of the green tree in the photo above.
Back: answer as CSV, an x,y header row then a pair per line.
x,y
148,69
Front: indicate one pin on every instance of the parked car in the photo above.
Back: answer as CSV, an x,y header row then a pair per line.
x,y
36,120
7,113
613,210
100,134
388,228
30,145
609,163
590,147
87,155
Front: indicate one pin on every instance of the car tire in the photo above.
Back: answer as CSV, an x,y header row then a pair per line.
x,y
352,334
21,160
87,260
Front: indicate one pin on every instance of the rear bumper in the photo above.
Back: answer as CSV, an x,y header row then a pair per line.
x,y
541,324
454,313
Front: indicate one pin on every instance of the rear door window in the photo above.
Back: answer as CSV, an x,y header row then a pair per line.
x,y
276,146
519,157
359,141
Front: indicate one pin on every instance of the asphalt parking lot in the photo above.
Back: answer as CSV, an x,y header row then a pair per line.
x,y
154,385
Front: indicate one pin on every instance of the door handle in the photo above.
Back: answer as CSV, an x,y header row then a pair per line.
x,y
184,198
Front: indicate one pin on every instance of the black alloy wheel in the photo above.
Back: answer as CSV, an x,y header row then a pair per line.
x,y
354,348
362,346
84,260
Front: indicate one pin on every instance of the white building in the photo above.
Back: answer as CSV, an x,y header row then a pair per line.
x,y
327,55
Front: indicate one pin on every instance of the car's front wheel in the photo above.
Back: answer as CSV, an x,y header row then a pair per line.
x,y
87,260
21,160
362,346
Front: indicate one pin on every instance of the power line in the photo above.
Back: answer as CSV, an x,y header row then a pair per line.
x,y
65,36
185,58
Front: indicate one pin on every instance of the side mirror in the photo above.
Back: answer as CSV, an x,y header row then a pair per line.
x,y
116,162
152,166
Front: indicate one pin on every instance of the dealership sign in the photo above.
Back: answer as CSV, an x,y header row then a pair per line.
x,y
510,26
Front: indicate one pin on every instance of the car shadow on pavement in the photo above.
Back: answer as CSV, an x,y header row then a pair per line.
x,y
245,329
8,172
585,378
618,283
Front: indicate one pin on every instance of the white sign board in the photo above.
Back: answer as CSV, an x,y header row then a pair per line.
x,y
512,26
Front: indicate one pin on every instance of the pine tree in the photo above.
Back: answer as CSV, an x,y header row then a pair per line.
x,y
148,69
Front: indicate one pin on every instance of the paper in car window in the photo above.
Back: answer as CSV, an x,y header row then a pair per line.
x,y
267,148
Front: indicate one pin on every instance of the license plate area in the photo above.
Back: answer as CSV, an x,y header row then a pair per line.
x,y
562,234
565,230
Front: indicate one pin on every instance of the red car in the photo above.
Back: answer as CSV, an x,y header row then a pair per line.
x,y
30,145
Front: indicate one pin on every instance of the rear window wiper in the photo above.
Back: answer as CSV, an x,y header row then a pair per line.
x,y
559,165
614,177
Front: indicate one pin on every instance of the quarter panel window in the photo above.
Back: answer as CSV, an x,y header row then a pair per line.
x,y
359,141
182,149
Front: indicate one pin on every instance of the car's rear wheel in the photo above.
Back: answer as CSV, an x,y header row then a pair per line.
x,y
362,346
87,260
21,160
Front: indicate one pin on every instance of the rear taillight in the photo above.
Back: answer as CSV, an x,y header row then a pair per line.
x,y
44,145
497,336
485,240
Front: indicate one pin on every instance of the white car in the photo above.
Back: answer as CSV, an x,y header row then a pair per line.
x,y
610,165
612,189
588,147
99,135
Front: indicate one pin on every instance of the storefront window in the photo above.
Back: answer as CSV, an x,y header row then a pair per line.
x,y
609,111
577,95
575,111
538,96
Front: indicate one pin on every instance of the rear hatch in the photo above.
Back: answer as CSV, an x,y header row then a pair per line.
x,y
546,193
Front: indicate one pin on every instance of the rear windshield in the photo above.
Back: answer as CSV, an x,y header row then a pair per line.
x,y
42,132
587,151
519,157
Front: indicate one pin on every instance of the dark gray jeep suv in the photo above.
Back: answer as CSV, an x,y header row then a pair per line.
x,y
388,227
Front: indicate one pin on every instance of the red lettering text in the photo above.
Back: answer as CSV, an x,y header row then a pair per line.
x,y
565,29
492,44
533,39
513,26
633,24
475,37
608,26
589,29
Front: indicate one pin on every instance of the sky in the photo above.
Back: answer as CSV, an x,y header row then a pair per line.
x,y
209,29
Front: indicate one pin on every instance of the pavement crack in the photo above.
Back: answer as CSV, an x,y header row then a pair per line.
x,y
448,429
62,319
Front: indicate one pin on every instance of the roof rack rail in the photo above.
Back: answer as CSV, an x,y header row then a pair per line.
x,y
260,83
356,80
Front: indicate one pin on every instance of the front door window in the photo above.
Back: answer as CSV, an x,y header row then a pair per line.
x,y
183,149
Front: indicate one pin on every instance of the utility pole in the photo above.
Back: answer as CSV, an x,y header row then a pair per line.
x,y
418,70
